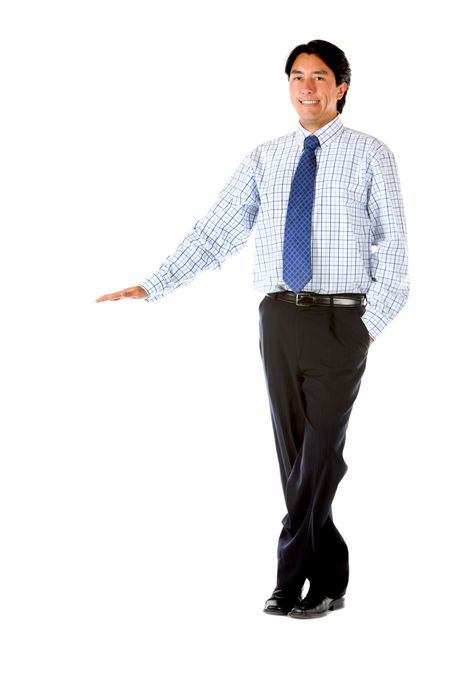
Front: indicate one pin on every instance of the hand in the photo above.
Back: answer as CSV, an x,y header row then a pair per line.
x,y
371,339
135,292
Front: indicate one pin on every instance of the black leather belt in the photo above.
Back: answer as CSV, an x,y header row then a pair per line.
x,y
309,299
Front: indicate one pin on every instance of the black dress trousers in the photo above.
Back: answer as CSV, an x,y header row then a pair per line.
x,y
314,358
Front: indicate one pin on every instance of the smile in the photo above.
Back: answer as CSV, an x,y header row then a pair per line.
x,y
309,102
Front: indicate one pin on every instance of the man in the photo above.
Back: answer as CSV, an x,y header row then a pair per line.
x,y
331,257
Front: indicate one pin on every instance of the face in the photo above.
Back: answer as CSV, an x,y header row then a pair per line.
x,y
313,90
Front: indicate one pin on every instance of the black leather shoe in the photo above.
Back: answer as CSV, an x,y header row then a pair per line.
x,y
281,602
315,605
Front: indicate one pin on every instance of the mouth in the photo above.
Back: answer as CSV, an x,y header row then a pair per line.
x,y
309,102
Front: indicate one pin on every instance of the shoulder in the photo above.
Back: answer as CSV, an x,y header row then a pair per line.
x,y
270,150
364,143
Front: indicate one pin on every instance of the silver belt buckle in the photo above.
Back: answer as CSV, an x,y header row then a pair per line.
x,y
304,299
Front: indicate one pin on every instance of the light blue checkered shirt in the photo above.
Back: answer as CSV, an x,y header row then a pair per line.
x,y
358,228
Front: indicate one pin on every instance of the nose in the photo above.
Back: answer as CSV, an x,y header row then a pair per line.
x,y
307,86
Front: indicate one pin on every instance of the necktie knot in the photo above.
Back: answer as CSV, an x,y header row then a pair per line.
x,y
311,143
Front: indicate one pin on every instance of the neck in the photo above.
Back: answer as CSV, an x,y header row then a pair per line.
x,y
315,126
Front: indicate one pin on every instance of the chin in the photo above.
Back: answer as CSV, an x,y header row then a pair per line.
x,y
309,119
309,114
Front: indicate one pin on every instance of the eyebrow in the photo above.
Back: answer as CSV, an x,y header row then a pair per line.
x,y
315,72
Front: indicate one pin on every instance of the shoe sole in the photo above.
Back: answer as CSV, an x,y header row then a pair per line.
x,y
278,612
336,604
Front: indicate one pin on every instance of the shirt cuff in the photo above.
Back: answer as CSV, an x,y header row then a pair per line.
x,y
148,288
374,323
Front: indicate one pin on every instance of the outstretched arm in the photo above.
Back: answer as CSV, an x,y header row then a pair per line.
x,y
221,233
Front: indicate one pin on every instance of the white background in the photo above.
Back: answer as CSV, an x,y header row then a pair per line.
x,y
140,501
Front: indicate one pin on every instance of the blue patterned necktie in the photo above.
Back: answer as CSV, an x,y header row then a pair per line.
x,y
297,233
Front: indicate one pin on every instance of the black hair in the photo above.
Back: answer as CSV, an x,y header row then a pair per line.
x,y
331,55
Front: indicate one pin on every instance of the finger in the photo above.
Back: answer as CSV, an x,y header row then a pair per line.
x,y
110,296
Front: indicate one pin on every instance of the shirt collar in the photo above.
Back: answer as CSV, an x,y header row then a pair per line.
x,y
326,134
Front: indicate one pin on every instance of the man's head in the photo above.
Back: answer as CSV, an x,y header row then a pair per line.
x,y
319,76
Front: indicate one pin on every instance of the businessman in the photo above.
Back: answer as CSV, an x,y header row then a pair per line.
x,y
331,260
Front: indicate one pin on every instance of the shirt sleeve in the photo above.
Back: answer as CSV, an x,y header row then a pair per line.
x,y
221,233
389,288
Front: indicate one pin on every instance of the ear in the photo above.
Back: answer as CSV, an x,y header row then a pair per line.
x,y
341,90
